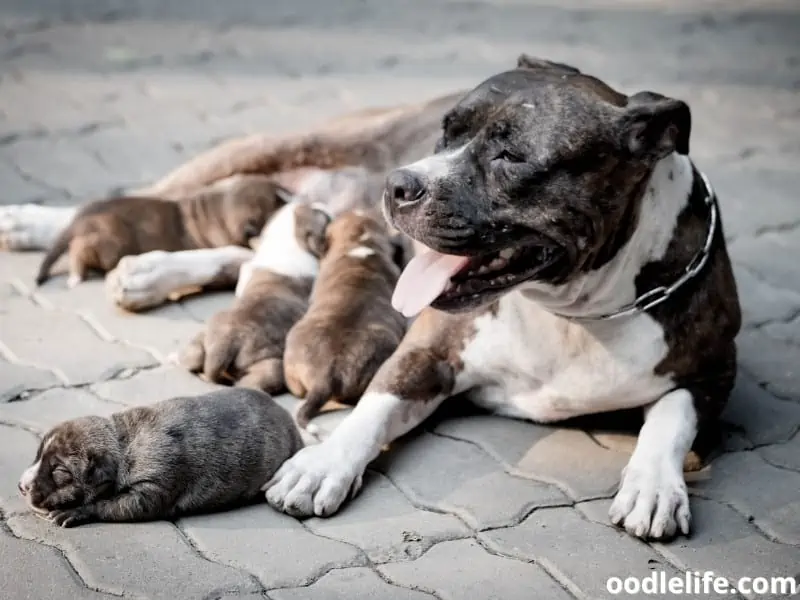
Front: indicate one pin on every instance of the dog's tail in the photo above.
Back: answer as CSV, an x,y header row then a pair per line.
x,y
313,402
55,252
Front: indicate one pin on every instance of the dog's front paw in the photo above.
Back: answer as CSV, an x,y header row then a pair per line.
x,y
71,517
32,227
315,481
652,502
141,281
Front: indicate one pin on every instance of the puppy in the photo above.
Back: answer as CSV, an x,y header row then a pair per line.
x,y
230,212
350,328
178,456
245,344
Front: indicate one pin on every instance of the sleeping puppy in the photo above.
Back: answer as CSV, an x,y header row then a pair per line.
x,y
230,212
176,457
350,328
245,344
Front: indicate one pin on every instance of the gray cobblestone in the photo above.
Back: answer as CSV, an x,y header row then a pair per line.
x,y
462,569
772,362
461,479
348,584
762,418
152,385
47,409
16,454
272,546
16,379
783,455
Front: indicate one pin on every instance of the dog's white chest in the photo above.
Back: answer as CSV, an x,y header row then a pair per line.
x,y
528,363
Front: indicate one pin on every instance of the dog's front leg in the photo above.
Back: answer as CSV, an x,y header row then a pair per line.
x,y
405,391
146,280
31,226
142,502
652,501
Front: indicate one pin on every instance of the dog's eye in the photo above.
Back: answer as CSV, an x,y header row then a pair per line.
x,y
507,156
61,476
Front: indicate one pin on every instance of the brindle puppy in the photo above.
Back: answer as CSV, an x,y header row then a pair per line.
x,y
178,456
350,328
230,212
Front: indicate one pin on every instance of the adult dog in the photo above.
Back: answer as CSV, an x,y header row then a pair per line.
x,y
572,262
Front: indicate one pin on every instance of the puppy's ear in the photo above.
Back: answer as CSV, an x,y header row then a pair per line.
x,y
101,470
310,226
525,61
283,195
654,126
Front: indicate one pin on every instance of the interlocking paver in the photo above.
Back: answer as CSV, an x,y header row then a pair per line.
x,y
581,553
17,451
770,498
462,569
348,584
152,385
772,362
52,406
761,418
62,341
39,572
16,379
460,478
274,547
545,453
761,301
772,255
150,560
783,455
383,523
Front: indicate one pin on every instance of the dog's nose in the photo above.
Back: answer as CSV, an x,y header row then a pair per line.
x,y
404,187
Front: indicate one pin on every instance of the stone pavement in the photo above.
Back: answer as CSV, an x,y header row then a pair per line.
x,y
100,95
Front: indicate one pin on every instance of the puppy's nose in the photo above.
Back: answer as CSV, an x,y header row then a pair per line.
x,y
404,187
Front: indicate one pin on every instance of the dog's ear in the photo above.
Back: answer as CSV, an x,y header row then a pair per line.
x,y
101,470
654,126
283,195
526,61
311,225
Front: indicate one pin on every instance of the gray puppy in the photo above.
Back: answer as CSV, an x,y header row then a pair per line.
x,y
178,456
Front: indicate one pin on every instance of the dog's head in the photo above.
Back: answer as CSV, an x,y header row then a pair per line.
x,y
248,210
538,174
76,463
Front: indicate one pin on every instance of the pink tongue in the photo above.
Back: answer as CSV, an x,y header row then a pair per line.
x,y
423,279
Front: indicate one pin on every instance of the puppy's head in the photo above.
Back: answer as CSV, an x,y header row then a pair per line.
x,y
76,463
249,205
359,228
535,175
311,222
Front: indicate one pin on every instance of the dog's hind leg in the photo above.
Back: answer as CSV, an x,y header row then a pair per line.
x,y
265,375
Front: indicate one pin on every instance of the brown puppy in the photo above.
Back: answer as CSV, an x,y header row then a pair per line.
x,y
178,456
245,344
230,212
350,328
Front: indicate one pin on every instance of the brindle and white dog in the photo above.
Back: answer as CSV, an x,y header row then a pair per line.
x,y
573,262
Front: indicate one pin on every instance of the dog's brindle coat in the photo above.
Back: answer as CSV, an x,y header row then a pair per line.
x,y
602,182
175,457
590,199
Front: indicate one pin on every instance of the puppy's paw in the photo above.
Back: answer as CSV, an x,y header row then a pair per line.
x,y
71,517
652,502
32,227
142,281
315,481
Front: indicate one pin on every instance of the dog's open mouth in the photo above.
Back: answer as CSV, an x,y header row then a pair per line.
x,y
449,282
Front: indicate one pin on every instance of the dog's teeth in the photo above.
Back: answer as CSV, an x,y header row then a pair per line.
x,y
497,263
507,253
484,269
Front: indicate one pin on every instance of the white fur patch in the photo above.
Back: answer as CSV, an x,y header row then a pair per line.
x,y
365,237
361,252
437,165
652,501
280,252
32,227
29,475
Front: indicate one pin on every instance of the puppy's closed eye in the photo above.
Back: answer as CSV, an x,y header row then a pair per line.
x,y
61,476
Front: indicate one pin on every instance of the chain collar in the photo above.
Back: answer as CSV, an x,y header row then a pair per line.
x,y
661,294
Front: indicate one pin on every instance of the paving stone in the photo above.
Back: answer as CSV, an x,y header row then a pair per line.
x,y
17,452
64,343
16,379
153,385
51,407
383,523
788,331
772,362
16,188
762,302
762,418
772,256
204,306
348,584
150,560
462,569
759,491
38,572
544,453
159,331
582,554
456,477
783,455
274,547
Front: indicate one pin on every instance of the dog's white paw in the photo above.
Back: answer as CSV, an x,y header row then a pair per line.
x,y
652,501
315,481
141,281
32,227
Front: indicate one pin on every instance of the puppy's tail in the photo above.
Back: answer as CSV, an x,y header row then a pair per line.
x,y
314,401
55,251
